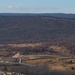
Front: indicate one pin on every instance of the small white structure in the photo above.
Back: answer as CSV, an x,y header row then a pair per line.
x,y
18,57
20,60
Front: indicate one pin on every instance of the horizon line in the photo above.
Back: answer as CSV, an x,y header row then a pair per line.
x,y
31,13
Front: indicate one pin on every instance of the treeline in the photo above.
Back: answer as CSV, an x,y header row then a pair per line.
x,y
7,50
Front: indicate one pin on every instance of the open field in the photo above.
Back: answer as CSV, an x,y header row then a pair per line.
x,y
37,45
37,59
40,65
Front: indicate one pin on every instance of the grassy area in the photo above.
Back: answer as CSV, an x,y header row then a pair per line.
x,y
44,65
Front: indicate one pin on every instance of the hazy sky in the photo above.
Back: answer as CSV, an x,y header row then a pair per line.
x,y
37,6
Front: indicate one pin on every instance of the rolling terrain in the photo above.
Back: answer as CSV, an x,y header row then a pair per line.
x,y
44,42
35,28
25,33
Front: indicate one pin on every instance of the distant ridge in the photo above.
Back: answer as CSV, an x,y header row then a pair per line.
x,y
59,15
35,28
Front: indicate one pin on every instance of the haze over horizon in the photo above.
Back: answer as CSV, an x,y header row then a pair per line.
x,y
37,6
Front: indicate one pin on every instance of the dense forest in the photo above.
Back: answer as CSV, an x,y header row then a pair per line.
x,y
35,28
52,31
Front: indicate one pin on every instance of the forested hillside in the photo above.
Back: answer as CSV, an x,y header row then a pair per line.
x,y
57,35
35,28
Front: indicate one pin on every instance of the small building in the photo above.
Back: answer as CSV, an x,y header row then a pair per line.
x,y
18,58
